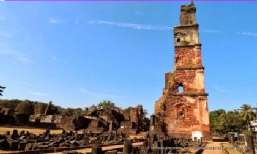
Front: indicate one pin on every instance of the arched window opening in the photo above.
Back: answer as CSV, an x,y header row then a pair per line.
x,y
178,40
180,89
181,113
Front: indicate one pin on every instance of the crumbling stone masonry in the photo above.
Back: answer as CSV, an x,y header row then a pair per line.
x,y
183,105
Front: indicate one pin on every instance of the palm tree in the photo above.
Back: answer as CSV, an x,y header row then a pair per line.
x,y
247,113
1,90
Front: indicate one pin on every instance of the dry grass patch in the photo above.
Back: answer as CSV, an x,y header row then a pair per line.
x,y
36,131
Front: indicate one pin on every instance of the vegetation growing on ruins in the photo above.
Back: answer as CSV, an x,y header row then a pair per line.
x,y
106,104
26,111
221,121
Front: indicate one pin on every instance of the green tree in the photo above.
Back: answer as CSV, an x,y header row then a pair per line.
x,y
1,90
218,121
247,113
234,122
106,104
72,112
222,122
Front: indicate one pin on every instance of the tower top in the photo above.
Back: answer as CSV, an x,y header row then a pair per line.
x,y
187,32
187,14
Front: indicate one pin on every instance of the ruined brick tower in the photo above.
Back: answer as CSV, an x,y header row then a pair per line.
x,y
183,105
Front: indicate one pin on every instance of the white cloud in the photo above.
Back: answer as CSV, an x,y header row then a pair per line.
x,y
139,13
5,35
25,84
37,93
130,25
210,31
53,58
219,89
54,21
97,94
15,55
1,17
77,21
23,59
252,34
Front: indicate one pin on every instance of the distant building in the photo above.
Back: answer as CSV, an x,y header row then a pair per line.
x,y
133,119
45,115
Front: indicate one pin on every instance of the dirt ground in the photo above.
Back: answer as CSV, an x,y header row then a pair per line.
x,y
105,148
219,148
36,131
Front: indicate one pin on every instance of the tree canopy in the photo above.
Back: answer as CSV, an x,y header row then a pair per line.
x,y
238,120
1,90
106,104
247,113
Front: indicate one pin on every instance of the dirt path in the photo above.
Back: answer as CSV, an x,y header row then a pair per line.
x,y
219,148
214,148
105,148
36,131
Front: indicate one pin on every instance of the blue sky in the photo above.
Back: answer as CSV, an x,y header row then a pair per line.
x,y
77,54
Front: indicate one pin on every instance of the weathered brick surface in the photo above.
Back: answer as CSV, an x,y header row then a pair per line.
x,y
186,111
183,57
